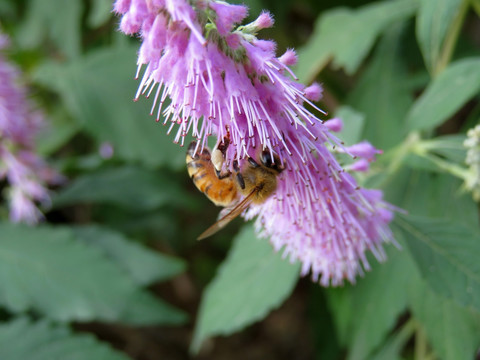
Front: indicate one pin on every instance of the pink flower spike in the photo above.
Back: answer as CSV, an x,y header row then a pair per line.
x,y
26,173
335,124
364,150
229,84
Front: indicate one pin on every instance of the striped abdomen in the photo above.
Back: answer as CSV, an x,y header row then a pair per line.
x,y
200,168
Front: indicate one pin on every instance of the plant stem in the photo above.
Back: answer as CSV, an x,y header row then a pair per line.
x,y
446,166
395,158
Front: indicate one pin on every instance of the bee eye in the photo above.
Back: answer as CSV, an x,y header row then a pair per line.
x,y
271,162
266,159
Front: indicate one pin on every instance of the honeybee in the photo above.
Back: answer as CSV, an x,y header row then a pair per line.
x,y
255,181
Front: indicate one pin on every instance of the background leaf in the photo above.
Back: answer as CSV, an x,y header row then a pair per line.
x,y
60,129
392,348
454,331
353,125
46,270
446,255
22,339
457,84
131,187
100,13
434,19
42,21
251,282
144,266
385,107
432,195
349,43
92,87
362,315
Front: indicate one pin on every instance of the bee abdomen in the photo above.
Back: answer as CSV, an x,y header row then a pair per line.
x,y
197,175
222,192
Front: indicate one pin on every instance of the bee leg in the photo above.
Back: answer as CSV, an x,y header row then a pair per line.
x,y
221,176
217,160
223,146
218,157
240,179
252,162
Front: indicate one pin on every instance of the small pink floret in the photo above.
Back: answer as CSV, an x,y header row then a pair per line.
x,y
264,21
289,58
364,150
314,92
335,124
228,15
361,165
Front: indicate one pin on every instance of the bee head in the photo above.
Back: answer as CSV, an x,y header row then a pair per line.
x,y
271,162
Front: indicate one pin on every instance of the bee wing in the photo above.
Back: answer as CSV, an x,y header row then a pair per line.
x,y
237,210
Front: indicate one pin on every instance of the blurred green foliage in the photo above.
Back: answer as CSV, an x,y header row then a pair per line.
x,y
118,247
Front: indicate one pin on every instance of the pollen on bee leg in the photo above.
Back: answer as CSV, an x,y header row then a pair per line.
x,y
217,159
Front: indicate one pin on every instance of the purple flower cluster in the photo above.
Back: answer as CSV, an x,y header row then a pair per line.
x,y
25,172
221,80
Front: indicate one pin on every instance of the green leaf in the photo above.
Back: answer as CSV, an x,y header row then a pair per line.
x,y
457,84
453,331
432,195
323,331
446,254
364,318
353,124
251,282
385,107
144,266
394,344
100,12
59,130
43,20
445,200
434,19
346,35
46,270
98,90
21,339
130,187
